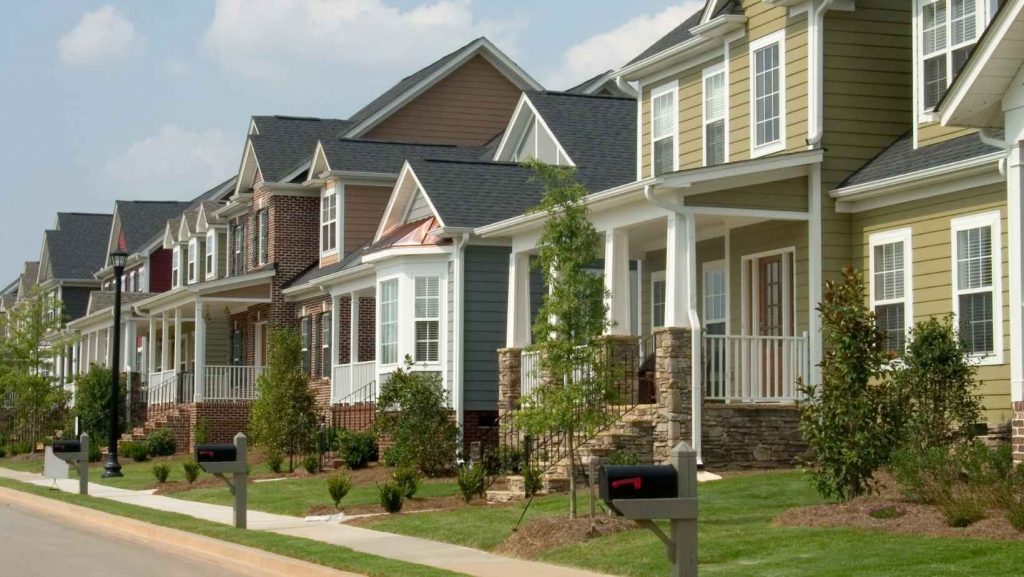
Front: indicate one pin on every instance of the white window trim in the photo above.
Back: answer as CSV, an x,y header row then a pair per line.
x,y
904,235
656,276
673,88
211,255
263,236
708,72
755,45
193,260
749,314
994,220
711,266
334,190
176,266
397,320
416,319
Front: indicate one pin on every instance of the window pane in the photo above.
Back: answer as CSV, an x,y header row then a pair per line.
x,y
934,80
426,341
891,321
714,296
714,137
976,327
662,115
888,271
389,321
714,96
964,28
658,302
663,152
934,27
766,95
427,297
974,258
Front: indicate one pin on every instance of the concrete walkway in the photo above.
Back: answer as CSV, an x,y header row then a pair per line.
x,y
453,558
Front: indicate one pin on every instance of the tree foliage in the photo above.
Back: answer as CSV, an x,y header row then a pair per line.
x,y
29,334
36,406
284,414
92,403
571,321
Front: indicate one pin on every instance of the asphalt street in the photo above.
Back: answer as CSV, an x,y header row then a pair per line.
x,y
38,546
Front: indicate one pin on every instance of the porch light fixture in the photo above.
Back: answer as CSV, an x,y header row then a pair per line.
x,y
112,468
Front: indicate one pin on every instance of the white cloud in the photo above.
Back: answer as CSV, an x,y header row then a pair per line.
x,y
100,37
175,163
252,37
175,68
612,49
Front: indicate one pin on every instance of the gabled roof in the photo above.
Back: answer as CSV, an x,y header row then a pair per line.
x,y
357,155
140,220
27,280
901,158
682,33
79,247
101,300
284,143
416,83
602,84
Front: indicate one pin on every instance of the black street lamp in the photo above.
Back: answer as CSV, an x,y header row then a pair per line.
x,y
112,468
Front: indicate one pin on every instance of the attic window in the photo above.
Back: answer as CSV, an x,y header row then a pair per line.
x,y
329,220
947,33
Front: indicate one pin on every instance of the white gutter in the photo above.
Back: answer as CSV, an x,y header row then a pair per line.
x,y
696,386
887,185
990,139
816,54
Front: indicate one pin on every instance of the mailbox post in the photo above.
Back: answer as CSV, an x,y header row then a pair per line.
x,y
76,452
660,492
224,459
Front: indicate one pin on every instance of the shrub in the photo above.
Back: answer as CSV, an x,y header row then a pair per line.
x,y
284,414
311,463
424,435
136,451
408,481
390,495
472,481
338,485
356,448
95,454
963,510
161,443
92,401
1015,514
923,476
191,469
161,472
622,457
504,461
533,481
849,421
274,461
3,453
19,448
936,474
201,434
886,512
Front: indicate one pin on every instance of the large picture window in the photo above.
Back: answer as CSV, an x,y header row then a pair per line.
x,y
389,322
767,98
428,314
948,31
714,115
977,293
890,290
664,129
329,220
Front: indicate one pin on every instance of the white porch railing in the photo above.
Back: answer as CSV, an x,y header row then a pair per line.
x,y
230,382
755,368
347,379
162,388
529,373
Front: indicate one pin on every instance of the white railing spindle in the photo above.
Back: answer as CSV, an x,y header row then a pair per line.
x,y
754,368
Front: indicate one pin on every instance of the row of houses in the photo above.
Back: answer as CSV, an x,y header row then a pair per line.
x,y
734,166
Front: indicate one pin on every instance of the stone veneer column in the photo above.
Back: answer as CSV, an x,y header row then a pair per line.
x,y
1018,431
510,362
673,386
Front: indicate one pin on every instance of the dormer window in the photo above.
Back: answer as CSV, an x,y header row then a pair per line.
x,y
176,267
329,220
947,33
664,129
193,260
211,254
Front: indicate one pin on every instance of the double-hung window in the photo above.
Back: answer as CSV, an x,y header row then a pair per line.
x,y
714,115
325,344
176,266
768,94
211,252
664,128
658,299
237,347
307,343
264,234
714,298
329,220
389,322
977,292
238,246
948,31
428,314
891,286
193,258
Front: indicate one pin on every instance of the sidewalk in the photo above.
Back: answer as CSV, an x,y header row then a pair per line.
x,y
409,549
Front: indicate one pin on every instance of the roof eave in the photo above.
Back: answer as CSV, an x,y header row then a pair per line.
x,y
917,178
702,34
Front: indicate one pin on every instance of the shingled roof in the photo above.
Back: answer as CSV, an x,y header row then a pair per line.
x,y
284,143
902,158
78,248
141,220
28,279
352,154
681,33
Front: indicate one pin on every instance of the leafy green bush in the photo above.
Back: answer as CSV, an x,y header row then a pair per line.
x,y
504,461
201,434
275,461
3,453
161,472
472,481
311,463
1015,514
135,450
963,510
424,434
533,481
16,448
284,415
924,476
338,485
408,481
191,469
622,457
935,474
95,454
390,495
356,448
161,443
92,401
849,421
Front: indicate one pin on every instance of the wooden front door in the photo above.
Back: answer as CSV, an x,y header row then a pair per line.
x,y
773,318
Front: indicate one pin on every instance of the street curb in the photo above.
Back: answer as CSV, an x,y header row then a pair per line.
x,y
232,556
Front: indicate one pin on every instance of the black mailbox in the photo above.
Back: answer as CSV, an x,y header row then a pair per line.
x,y
65,447
216,454
638,482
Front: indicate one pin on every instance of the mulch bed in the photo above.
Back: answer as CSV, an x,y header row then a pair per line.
x,y
408,506
540,535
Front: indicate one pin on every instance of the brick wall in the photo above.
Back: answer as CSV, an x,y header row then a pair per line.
x,y
478,427
1017,426
221,419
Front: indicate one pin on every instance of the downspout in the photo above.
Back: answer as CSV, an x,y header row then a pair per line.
x,y
816,56
696,386
987,137
458,387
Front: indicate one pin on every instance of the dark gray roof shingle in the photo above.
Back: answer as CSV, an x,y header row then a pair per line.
x,y
677,35
28,279
79,247
284,143
352,154
142,220
901,158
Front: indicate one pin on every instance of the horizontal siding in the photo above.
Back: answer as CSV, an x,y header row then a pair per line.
x,y
763,237
783,195
486,300
929,221
364,207
933,133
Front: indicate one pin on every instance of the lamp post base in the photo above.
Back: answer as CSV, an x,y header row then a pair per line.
x,y
112,468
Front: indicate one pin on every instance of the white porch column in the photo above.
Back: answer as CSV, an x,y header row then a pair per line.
x,y
150,348
177,338
353,331
1015,220
84,352
76,367
129,346
814,279
680,271
109,348
518,320
200,354
165,344
616,281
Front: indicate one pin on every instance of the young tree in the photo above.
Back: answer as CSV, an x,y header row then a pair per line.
x,y
571,321
37,406
28,344
284,415
850,420
92,403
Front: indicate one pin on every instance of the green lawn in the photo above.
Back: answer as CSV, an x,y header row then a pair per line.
x,y
297,496
736,538
333,556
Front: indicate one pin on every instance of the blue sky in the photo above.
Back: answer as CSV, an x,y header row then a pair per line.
x,y
151,100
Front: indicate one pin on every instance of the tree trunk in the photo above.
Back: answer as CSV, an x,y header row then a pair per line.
x,y
572,476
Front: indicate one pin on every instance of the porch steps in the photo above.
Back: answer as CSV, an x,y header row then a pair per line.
x,y
176,419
